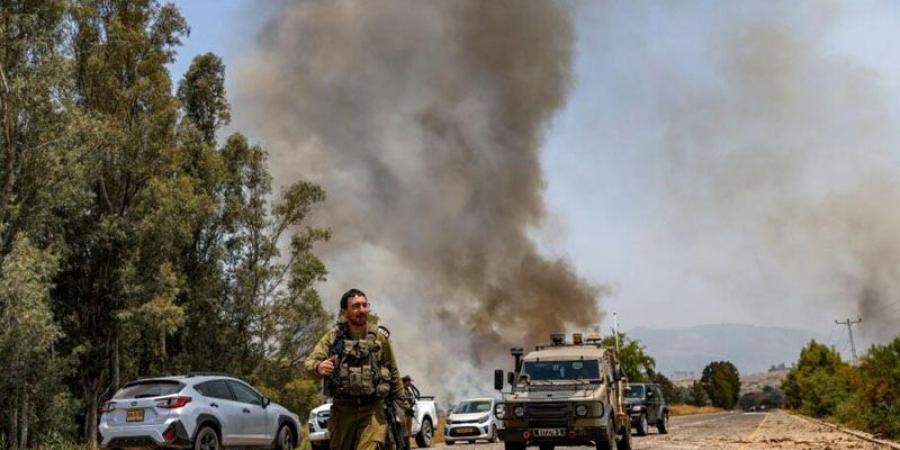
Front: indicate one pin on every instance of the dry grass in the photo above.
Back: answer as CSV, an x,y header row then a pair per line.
x,y
688,410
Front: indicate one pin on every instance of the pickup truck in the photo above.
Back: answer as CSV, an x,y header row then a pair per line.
x,y
422,425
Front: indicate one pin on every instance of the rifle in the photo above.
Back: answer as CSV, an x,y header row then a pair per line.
x,y
395,428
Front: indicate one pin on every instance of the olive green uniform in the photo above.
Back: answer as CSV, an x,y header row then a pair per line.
x,y
358,422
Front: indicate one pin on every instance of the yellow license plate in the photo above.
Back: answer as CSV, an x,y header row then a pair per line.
x,y
465,430
135,415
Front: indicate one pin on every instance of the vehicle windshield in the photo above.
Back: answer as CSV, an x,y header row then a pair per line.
x,y
472,407
635,391
144,389
562,370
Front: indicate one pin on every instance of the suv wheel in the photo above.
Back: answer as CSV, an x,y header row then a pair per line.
x,y
285,438
609,441
206,439
426,433
642,425
493,437
663,423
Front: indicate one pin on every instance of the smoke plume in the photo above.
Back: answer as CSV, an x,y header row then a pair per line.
x,y
792,157
423,121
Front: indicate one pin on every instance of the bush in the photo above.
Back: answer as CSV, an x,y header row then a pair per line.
x,y
722,383
819,382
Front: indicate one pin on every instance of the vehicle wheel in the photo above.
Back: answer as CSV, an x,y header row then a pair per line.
x,y
449,442
663,423
546,446
319,446
625,438
206,439
472,442
285,438
493,437
426,434
609,443
642,425
513,446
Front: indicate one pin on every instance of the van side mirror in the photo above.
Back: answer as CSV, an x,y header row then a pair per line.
x,y
498,380
510,378
650,394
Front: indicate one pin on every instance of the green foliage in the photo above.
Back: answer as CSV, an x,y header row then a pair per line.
x,y
722,383
877,390
637,364
132,242
696,395
819,382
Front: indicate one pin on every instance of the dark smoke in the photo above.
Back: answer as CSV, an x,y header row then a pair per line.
x,y
423,121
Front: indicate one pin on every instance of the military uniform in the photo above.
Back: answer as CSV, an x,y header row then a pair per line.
x,y
365,375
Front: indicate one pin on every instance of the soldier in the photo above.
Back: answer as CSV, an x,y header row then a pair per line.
x,y
360,372
413,392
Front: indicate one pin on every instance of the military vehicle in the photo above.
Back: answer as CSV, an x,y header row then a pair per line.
x,y
564,394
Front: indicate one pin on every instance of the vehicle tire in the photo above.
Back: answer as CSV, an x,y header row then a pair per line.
x,y
546,446
449,442
472,442
493,437
206,439
610,442
285,439
642,425
624,442
426,434
319,446
663,423
513,445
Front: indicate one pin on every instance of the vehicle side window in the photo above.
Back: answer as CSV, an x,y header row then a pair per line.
x,y
215,389
244,394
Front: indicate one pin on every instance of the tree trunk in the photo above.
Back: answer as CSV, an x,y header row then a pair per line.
x,y
14,425
90,418
24,415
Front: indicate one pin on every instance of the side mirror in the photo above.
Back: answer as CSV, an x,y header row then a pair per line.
x,y
266,402
510,378
498,380
650,394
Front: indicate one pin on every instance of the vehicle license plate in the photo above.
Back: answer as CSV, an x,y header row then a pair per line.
x,y
465,430
550,432
135,415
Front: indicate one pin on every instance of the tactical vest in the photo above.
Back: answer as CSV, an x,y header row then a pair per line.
x,y
359,371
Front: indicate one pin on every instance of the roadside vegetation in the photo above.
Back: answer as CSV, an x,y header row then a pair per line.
x,y
865,396
136,239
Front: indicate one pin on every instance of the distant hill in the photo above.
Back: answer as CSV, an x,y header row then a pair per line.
x,y
751,348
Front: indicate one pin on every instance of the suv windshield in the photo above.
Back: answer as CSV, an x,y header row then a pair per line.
x,y
149,388
472,407
562,370
635,391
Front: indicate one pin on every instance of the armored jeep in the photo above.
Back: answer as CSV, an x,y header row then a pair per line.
x,y
564,394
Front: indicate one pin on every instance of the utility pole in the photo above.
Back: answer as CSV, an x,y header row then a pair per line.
x,y
850,324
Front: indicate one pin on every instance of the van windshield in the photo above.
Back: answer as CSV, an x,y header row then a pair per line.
x,y
562,370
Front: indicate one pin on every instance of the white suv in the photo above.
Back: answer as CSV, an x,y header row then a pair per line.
x,y
200,411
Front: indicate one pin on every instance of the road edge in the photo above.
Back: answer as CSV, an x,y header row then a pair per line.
x,y
858,434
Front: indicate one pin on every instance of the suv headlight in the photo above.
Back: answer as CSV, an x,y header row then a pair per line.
x,y
581,410
636,408
519,411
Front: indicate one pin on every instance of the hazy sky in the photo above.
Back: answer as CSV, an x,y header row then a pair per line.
x,y
714,162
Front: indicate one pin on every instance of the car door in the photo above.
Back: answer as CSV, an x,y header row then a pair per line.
x,y
225,408
653,404
256,429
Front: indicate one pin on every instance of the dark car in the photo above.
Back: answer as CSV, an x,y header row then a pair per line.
x,y
646,406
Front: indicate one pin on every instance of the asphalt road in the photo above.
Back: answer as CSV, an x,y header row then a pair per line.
x,y
734,431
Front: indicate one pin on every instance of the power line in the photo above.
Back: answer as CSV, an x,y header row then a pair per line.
x,y
850,324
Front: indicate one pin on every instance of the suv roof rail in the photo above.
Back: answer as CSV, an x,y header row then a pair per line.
x,y
208,374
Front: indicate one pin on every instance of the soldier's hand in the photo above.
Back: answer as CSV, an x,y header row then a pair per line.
x,y
326,368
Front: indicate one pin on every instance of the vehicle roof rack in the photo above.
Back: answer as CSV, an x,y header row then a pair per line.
x,y
208,374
